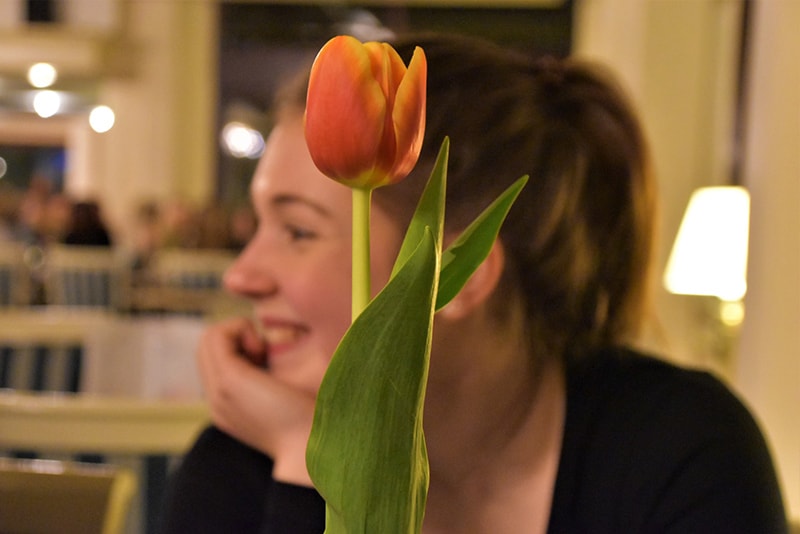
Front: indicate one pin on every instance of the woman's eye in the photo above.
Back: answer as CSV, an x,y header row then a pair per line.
x,y
298,233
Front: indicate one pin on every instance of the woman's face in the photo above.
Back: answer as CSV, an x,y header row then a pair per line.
x,y
297,268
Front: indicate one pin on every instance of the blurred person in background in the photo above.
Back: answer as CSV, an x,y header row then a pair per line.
x,y
147,235
242,227
30,222
180,224
213,227
58,215
86,226
10,199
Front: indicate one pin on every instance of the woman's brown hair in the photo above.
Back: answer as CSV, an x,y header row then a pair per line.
x,y
579,239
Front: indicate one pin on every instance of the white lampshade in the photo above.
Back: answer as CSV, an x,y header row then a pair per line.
x,y
709,256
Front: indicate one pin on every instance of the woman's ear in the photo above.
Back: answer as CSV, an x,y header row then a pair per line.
x,y
480,285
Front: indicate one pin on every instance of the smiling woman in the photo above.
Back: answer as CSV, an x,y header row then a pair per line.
x,y
539,416
301,249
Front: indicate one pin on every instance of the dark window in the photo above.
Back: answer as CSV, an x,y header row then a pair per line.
x,y
41,11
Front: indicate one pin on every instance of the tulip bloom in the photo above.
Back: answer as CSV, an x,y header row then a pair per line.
x,y
365,112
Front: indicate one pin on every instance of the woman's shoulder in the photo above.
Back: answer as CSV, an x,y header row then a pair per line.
x,y
654,404
646,440
629,384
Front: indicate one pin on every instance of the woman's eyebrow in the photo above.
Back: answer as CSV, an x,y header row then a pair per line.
x,y
283,200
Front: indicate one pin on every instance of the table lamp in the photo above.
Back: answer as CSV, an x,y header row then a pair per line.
x,y
709,258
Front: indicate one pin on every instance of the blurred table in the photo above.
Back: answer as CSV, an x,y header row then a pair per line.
x,y
150,429
139,401
99,424
50,324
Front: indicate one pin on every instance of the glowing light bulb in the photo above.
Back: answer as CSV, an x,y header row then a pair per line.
x,y
46,103
709,256
101,119
42,75
241,141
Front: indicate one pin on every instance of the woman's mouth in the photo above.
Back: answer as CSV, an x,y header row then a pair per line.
x,y
280,336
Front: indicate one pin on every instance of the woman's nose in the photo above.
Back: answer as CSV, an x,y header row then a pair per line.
x,y
249,276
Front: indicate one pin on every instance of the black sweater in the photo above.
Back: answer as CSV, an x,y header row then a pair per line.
x,y
648,448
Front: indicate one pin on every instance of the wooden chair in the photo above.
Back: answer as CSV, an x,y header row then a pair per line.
x,y
147,432
15,282
86,277
48,496
47,353
41,349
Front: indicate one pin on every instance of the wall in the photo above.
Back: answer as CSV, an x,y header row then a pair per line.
x,y
155,63
161,145
769,367
678,58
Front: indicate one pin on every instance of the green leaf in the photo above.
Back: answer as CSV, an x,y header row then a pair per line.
x,y
429,214
467,252
366,454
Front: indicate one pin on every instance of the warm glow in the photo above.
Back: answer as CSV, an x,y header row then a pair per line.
x,y
241,141
710,253
46,103
731,313
101,119
42,75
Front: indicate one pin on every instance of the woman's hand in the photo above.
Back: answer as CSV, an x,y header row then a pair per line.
x,y
250,404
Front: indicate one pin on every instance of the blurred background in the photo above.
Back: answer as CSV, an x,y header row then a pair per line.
x,y
153,113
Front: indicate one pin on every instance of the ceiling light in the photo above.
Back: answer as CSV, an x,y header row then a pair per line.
x,y
46,103
242,141
42,75
101,119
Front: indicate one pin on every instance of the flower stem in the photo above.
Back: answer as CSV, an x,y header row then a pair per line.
x,y
361,267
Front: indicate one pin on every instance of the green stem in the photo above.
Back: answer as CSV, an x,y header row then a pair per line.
x,y
361,271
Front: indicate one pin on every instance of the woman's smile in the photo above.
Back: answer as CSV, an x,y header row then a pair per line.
x,y
281,336
296,269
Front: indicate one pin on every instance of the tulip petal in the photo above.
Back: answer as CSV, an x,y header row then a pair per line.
x,y
365,112
378,54
389,70
344,99
408,114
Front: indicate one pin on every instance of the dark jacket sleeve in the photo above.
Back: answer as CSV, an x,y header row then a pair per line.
x,y
223,486
294,510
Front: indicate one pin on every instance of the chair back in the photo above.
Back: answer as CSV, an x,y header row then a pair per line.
x,y
188,281
42,349
118,429
47,496
86,276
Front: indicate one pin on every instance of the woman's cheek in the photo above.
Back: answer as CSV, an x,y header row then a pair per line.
x,y
329,310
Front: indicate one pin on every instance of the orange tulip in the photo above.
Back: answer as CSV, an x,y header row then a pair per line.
x,y
365,112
